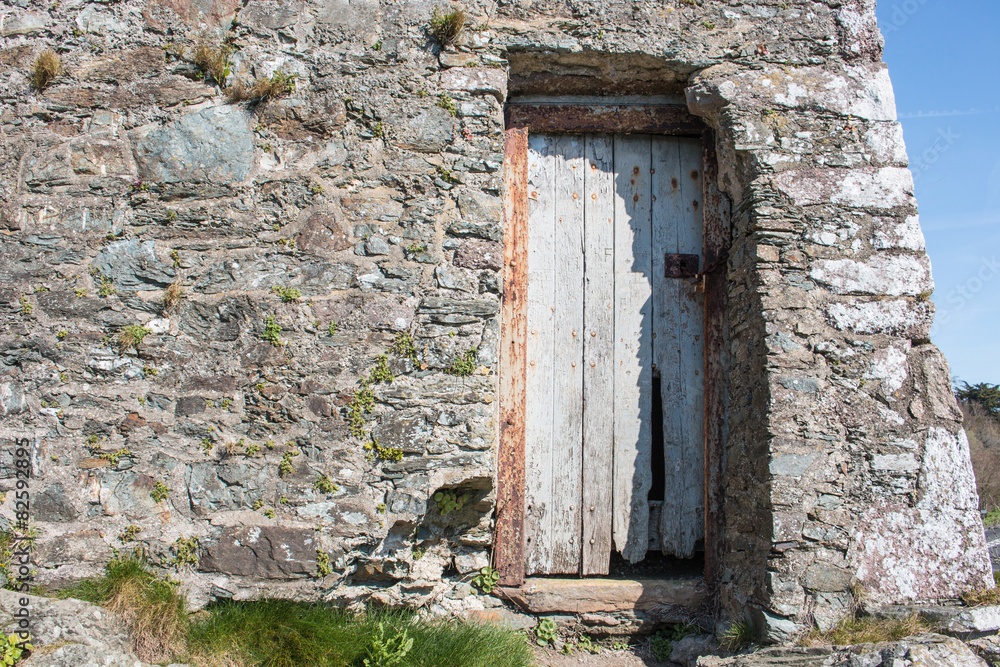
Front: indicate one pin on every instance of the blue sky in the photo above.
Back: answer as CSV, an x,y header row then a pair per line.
x,y
944,60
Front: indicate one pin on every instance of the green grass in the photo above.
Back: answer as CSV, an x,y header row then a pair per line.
x,y
283,633
992,517
152,609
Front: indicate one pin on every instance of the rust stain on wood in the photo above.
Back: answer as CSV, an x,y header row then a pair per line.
x,y
509,540
583,118
716,251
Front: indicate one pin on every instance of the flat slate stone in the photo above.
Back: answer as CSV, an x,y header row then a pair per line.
x,y
589,596
214,145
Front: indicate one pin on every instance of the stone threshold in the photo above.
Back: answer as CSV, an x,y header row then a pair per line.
x,y
680,597
955,620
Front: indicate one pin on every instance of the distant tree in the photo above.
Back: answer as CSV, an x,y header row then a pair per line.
x,y
983,394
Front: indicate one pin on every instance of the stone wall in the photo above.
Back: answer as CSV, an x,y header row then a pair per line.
x,y
316,236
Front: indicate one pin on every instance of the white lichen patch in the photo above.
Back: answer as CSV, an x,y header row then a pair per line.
x,y
879,275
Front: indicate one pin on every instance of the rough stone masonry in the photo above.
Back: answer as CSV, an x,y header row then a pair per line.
x,y
257,340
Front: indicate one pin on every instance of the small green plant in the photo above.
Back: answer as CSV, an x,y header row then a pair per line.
x,y
447,27
106,288
149,371
323,563
449,500
92,439
114,457
738,636
464,365
361,404
129,534
992,517
26,307
378,130
272,332
46,68
380,508
416,248
206,445
287,294
80,292
176,257
388,650
12,649
130,337
269,513
585,643
61,335
448,104
422,93
332,328
387,453
662,642
185,552
251,449
285,466
324,485
404,347
486,580
446,174
160,492
382,372
257,504
546,632
64,376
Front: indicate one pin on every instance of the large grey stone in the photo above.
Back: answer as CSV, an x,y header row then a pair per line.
x,y
214,145
12,399
82,634
133,265
427,132
270,552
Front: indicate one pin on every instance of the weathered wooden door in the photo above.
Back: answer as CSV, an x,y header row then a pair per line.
x,y
613,312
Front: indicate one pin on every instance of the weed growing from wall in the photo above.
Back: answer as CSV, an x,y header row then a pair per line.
x,y
447,27
324,485
46,68
272,332
213,60
160,492
287,294
465,364
185,552
131,336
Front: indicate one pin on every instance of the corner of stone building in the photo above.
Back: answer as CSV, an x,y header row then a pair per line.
x,y
858,429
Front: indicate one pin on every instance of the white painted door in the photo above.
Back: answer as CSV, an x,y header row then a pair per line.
x,y
605,326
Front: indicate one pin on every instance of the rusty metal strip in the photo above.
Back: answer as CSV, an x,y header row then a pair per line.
x,y
716,250
509,537
581,118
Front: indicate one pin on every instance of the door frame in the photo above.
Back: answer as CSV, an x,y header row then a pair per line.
x,y
558,118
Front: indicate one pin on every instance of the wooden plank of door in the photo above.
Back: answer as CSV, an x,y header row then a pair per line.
x,y
567,357
598,356
509,560
667,213
538,380
632,346
679,350
692,321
